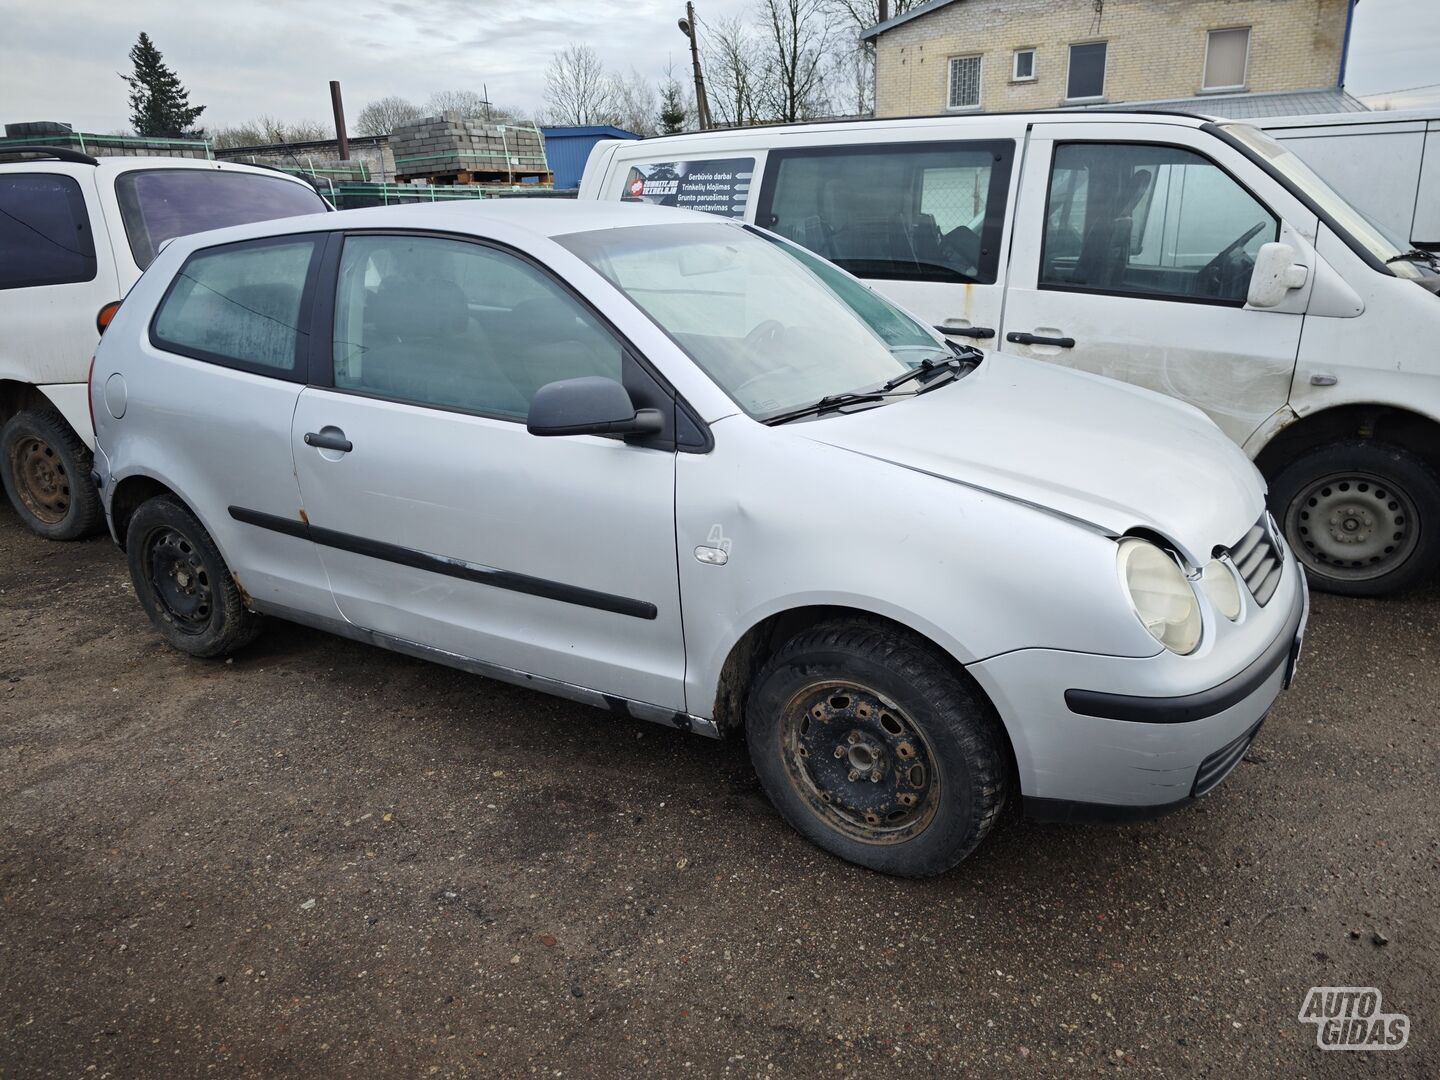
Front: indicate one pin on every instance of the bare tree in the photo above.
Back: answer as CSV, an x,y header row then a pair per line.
x,y
269,131
854,68
732,59
577,91
634,104
384,115
795,36
465,102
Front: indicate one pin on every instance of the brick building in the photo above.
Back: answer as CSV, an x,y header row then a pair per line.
x,y
992,55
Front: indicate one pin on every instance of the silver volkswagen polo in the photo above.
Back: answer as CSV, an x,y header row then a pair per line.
x,y
679,469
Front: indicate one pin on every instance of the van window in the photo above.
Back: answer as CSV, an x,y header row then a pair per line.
x,y
1150,220
459,326
159,204
45,234
907,212
242,305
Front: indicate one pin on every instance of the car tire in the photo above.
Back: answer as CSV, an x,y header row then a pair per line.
x,y
183,583
845,696
1362,517
45,469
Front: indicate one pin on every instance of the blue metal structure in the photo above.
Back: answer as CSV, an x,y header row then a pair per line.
x,y
566,149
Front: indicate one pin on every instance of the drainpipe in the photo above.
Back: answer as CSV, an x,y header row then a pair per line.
x,y
1345,44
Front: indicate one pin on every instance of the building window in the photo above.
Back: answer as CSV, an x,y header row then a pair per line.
x,y
1024,67
964,82
1227,53
1086,79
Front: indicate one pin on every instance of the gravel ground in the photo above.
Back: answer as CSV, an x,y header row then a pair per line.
x,y
324,859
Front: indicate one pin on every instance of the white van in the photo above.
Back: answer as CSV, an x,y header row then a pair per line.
x,y
1385,164
75,233
1198,258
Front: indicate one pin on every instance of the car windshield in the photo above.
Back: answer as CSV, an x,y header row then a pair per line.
x,y
160,204
774,329
1369,235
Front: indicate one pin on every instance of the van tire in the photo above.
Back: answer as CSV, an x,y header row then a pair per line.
x,y
847,696
182,582
45,470
1366,498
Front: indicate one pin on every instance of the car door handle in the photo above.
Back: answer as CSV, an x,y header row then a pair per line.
x,y
335,440
1018,338
981,332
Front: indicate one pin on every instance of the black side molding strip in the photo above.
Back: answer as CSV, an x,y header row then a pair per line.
x,y
1191,707
440,564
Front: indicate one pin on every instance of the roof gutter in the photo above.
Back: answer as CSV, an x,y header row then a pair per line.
x,y
1345,43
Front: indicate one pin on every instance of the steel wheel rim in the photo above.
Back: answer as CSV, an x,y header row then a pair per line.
x,y
179,581
861,764
1353,526
40,479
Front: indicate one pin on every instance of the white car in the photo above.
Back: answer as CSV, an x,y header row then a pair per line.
x,y
1198,258
686,471
75,233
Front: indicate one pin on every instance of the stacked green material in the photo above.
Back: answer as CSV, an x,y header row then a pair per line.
x,y
453,143
113,145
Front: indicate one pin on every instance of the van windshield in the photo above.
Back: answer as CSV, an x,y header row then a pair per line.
x,y
1370,236
160,204
772,333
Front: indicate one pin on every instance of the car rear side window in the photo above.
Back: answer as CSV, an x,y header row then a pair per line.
x,y
908,212
243,305
159,204
459,325
45,236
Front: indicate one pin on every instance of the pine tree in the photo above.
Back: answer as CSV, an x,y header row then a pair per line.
x,y
672,109
159,106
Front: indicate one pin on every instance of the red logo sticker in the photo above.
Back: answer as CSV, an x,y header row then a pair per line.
x,y
637,186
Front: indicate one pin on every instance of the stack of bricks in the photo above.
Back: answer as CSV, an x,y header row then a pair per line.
x,y
459,149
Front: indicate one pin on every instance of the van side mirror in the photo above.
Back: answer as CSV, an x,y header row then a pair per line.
x,y
1276,273
590,405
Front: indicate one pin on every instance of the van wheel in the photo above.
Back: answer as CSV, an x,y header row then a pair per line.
x,y
183,583
871,746
45,469
1362,517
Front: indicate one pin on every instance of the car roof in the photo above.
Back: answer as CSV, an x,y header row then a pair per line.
x,y
753,133
116,165
539,217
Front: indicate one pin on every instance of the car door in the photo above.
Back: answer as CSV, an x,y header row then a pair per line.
x,y
441,521
922,222
1132,259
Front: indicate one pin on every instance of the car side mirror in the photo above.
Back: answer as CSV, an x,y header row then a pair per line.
x,y
591,405
1275,274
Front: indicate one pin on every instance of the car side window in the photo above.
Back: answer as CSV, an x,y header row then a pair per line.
x,y
242,305
920,211
45,236
1149,220
459,325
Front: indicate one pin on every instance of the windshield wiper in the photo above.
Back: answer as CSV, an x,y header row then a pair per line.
x,y
1413,253
964,357
827,404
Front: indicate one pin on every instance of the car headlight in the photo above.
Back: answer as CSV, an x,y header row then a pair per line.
x,y
1160,594
1220,586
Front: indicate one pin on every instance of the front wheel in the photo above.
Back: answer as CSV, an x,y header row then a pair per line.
x,y
873,747
45,469
182,581
1362,517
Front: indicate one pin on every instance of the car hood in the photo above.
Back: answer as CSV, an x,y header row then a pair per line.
x,y
1108,454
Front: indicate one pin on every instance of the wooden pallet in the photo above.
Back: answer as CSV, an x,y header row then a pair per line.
x,y
478,176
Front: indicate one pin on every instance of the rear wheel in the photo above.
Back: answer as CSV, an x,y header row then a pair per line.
x,y
183,583
45,469
1362,517
873,747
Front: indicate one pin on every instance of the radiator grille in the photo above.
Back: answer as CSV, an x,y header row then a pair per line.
x,y
1259,561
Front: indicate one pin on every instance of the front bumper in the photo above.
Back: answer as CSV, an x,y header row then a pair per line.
x,y
1106,755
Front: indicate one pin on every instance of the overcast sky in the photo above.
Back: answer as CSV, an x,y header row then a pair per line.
x,y
59,59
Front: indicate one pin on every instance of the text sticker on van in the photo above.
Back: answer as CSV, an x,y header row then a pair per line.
x,y
716,187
